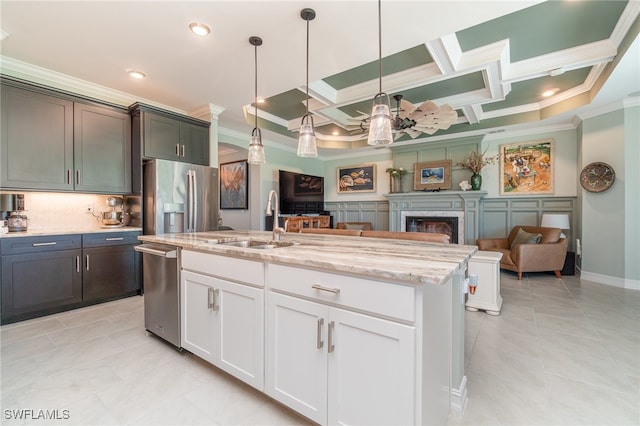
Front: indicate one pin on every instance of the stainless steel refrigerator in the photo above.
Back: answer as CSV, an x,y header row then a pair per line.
x,y
177,197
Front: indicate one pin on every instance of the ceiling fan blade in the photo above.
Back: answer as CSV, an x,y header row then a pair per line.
x,y
399,134
414,133
406,108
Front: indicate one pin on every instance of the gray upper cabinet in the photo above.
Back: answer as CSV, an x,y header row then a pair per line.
x,y
50,142
167,136
102,149
37,141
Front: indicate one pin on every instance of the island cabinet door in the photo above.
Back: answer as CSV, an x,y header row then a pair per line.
x,y
223,323
296,351
372,373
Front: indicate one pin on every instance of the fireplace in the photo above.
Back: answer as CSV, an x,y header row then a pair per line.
x,y
450,223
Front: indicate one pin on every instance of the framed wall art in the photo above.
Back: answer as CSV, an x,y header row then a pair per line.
x,y
233,185
527,168
432,175
354,179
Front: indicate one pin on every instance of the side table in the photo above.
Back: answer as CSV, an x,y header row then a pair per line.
x,y
486,265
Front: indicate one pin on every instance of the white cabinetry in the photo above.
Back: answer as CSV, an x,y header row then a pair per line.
x,y
223,321
333,365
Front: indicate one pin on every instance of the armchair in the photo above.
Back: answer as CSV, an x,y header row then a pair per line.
x,y
547,255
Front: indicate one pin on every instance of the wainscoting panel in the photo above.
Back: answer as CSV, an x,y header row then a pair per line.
x,y
376,212
499,215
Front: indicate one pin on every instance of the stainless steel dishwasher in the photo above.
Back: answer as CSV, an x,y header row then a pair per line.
x,y
161,291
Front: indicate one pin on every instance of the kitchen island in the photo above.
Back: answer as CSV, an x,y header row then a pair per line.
x,y
339,329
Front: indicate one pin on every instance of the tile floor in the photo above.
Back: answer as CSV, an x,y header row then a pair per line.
x,y
562,352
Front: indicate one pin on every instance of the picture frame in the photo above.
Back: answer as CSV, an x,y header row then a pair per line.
x,y
234,178
356,179
432,175
527,167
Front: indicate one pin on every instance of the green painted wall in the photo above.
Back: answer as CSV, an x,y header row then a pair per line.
x,y
632,192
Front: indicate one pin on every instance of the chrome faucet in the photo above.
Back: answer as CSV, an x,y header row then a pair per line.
x,y
277,230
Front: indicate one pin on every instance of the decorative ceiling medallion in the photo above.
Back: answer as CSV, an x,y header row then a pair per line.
x,y
597,177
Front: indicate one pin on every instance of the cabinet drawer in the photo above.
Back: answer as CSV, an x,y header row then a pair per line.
x,y
390,300
110,239
242,270
22,245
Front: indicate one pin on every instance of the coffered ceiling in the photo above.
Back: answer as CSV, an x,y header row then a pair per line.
x,y
489,60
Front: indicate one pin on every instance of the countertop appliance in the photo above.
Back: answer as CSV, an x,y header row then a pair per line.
x,y
12,208
179,197
161,291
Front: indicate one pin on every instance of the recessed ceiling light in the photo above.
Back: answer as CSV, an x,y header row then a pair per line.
x,y
137,74
199,29
260,100
335,133
549,92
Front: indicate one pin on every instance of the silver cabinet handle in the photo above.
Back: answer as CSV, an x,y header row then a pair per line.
x,y
331,329
69,176
87,262
78,177
330,290
319,342
52,243
212,299
178,149
77,263
182,151
114,239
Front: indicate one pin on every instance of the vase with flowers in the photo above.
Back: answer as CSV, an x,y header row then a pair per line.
x,y
395,179
475,162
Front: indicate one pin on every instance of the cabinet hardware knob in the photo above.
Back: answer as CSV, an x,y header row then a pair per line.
x,y
330,290
319,341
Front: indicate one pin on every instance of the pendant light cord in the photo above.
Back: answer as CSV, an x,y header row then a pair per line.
x,y
307,83
256,85
380,44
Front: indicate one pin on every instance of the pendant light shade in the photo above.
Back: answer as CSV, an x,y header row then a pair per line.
x,y
307,142
256,149
380,125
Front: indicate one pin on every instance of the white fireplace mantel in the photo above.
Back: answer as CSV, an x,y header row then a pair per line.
x,y
467,202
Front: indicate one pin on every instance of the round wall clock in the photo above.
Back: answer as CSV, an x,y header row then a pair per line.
x,y
597,177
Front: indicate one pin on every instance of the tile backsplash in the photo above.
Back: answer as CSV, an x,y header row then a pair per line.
x,y
63,211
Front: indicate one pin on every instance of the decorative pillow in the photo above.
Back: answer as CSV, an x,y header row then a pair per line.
x,y
523,237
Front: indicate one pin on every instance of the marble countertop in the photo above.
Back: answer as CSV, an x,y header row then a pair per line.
x,y
403,261
44,232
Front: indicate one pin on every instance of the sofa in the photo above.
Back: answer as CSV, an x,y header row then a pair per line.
x,y
529,249
415,236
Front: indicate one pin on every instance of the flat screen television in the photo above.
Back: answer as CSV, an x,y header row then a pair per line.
x,y
301,193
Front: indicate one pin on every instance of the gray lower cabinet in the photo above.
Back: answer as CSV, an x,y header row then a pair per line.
x,y
54,142
48,274
111,267
40,275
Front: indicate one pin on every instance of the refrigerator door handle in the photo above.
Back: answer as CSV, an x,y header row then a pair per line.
x,y
194,200
189,201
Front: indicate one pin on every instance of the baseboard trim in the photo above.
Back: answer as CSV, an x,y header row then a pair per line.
x,y
459,398
612,281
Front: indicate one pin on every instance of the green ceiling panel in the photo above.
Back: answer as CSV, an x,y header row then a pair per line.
x,y
530,91
392,64
287,105
547,27
441,89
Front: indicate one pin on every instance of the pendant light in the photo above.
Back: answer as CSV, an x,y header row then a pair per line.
x,y
380,123
307,142
256,149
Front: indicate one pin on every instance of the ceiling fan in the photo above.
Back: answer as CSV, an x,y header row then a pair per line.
x,y
427,118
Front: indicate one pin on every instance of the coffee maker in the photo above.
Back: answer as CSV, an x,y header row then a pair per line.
x,y
12,210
